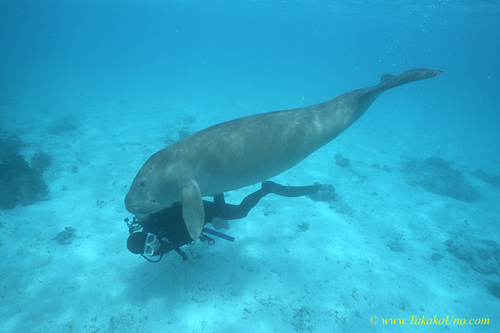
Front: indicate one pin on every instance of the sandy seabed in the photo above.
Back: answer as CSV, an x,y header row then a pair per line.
x,y
296,264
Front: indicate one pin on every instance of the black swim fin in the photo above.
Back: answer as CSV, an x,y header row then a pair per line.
x,y
289,191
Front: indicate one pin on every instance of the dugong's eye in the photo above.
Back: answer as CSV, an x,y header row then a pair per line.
x,y
142,183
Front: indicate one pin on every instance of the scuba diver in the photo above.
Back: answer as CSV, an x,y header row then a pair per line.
x,y
165,230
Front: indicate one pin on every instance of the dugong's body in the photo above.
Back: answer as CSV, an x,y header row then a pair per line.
x,y
247,150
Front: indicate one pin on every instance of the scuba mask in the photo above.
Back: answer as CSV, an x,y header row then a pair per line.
x,y
151,244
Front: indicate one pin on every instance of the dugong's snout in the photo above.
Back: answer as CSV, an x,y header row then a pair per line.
x,y
131,203
137,205
141,205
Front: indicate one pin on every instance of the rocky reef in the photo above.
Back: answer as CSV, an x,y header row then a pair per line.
x,y
435,175
20,182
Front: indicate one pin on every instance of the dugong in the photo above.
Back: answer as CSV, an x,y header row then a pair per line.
x,y
246,151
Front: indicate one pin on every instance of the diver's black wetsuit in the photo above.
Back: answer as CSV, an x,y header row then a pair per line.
x,y
172,232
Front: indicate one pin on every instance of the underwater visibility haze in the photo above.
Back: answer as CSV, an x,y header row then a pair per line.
x,y
404,229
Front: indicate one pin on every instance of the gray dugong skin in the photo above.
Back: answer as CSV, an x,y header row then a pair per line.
x,y
247,150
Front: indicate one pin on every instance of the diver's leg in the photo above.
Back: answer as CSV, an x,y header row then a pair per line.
x,y
219,199
232,212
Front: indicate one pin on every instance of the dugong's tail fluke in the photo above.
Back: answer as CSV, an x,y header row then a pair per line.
x,y
389,81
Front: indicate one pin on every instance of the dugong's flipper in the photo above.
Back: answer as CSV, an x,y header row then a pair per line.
x,y
193,212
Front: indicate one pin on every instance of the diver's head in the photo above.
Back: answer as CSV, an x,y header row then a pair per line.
x,y
143,243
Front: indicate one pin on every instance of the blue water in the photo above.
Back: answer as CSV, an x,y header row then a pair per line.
x,y
178,50
131,71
